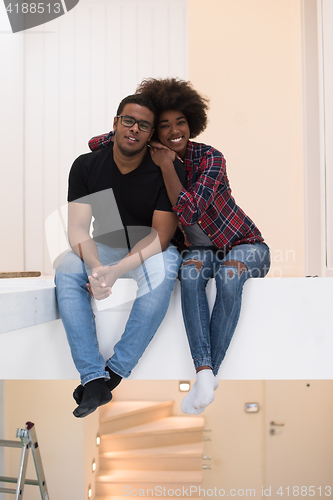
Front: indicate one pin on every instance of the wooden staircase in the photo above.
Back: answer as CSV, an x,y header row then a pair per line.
x,y
144,447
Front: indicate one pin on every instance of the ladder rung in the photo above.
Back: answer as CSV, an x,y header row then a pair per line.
x,y
6,479
10,444
7,490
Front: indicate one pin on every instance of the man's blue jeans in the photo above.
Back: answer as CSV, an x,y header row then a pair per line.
x,y
209,338
155,279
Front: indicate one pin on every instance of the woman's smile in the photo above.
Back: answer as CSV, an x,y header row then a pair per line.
x,y
173,131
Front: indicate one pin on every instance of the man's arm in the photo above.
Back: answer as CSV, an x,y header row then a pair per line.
x,y
164,225
79,219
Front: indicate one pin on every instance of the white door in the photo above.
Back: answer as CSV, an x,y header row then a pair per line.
x,y
299,439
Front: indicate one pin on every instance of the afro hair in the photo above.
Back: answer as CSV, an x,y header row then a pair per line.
x,y
177,95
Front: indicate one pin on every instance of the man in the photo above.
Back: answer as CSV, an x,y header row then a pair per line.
x,y
123,176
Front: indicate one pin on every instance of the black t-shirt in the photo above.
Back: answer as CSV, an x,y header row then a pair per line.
x,y
122,204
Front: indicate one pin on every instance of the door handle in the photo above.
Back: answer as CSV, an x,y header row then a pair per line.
x,y
274,423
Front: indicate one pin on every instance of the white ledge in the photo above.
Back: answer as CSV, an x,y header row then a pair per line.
x,y
26,302
284,332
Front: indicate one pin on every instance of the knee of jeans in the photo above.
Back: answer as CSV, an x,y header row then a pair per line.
x,y
262,270
231,275
193,262
70,263
190,269
234,268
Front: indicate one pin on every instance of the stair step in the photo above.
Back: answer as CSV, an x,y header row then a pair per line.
x,y
123,482
170,424
122,497
115,409
119,415
167,431
147,476
178,457
192,449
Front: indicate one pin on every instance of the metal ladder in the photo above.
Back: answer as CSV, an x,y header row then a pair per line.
x,y
28,440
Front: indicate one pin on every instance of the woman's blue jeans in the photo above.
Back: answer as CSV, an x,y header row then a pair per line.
x,y
209,337
155,279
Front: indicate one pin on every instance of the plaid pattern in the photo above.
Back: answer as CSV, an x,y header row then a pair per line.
x,y
100,141
207,200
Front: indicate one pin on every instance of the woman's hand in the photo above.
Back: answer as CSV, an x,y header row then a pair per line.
x,y
159,146
162,157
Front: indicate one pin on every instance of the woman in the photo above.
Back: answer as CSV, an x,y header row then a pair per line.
x,y
217,238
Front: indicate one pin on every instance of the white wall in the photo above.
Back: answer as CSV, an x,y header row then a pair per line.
x,y
313,207
248,60
67,444
63,83
12,147
327,130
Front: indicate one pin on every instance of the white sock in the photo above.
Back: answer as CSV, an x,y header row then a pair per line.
x,y
206,384
187,405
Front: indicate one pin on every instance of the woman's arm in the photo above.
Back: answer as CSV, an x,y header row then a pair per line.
x,y
164,159
193,202
101,141
190,204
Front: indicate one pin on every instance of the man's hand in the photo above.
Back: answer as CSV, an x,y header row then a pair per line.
x,y
101,282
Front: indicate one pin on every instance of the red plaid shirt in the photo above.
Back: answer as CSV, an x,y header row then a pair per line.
x,y
206,198
101,141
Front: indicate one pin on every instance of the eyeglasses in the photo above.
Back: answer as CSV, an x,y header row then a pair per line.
x,y
129,121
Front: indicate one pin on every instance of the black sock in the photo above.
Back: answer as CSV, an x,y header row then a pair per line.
x,y
114,380
78,393
111,384
95,394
